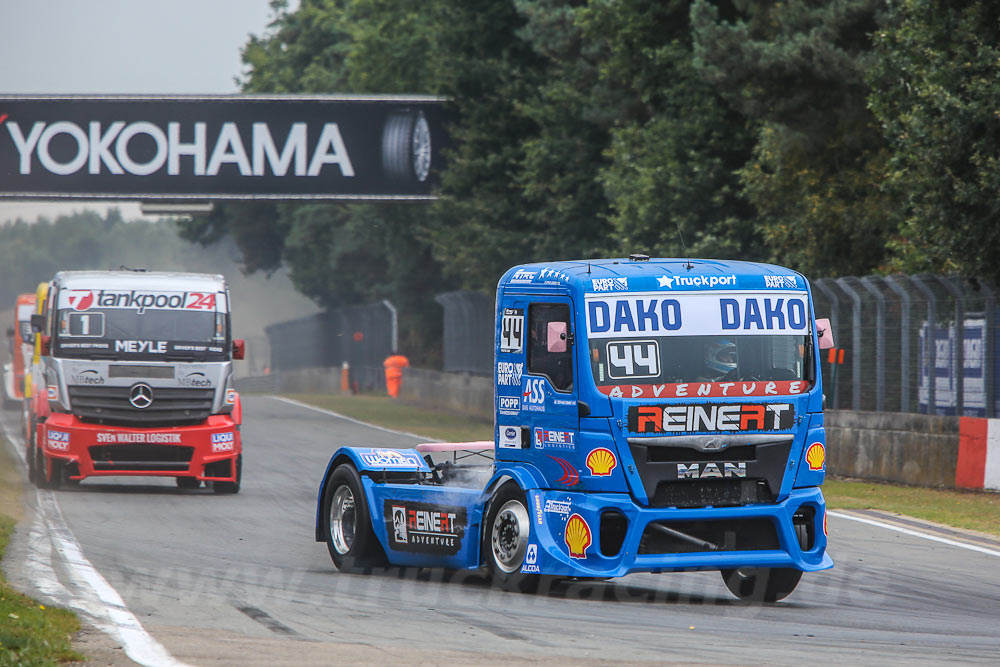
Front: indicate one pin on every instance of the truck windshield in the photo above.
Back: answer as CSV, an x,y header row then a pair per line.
x,y
658,366
120,333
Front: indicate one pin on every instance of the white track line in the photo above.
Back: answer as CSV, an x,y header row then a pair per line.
x,y
94,597
351,419
916,533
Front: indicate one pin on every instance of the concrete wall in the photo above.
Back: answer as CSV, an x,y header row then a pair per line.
x,y
468,394
893,446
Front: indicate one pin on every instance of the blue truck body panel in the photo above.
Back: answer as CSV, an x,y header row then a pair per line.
x,y
659,415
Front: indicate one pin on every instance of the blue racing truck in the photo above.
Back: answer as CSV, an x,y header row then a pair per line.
x,y
651,415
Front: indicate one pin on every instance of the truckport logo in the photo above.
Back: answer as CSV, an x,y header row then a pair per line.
x,y
696,281
140,396
424,527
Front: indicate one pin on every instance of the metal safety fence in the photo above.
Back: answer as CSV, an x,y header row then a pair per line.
x,y
468,332
362,335
922,343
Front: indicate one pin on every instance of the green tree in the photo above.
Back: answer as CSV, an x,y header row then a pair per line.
x,y
936,90
675,145
797,71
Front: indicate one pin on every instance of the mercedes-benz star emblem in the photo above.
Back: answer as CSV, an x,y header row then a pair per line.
x,y
140,395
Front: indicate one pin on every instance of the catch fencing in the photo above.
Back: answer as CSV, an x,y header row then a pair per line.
x,y
922,343
362,335
468,332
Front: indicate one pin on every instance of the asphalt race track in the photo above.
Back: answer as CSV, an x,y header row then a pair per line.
x,y
238,580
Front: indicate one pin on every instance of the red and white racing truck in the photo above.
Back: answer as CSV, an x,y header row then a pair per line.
x,y
135,377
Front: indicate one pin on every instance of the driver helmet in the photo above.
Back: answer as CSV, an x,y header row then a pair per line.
x,y
720,356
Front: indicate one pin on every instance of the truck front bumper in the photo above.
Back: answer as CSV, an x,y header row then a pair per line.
x,y
205,451
609,535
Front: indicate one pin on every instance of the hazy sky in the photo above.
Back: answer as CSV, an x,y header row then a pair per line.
x,y
122,46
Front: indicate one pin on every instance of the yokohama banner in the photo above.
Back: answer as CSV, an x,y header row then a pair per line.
x,y
221,147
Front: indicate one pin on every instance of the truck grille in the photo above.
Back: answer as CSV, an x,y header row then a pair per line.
x,y
742,474
171,406
728,535
143,457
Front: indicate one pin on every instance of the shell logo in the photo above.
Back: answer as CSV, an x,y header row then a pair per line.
x,y
816,456
825,531
601,462
578,536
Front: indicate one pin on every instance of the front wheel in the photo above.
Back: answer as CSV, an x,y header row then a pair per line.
x,y
762,584
506,534
226,487
349,535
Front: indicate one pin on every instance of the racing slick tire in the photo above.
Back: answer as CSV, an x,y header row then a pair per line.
x,y
227,487
187,482
30,454
762,584
349,534
506,534
48,473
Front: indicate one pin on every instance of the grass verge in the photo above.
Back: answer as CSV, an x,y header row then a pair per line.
x,y
30,633
961,509
972,510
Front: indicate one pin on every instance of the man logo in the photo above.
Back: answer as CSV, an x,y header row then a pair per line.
x,y
141,396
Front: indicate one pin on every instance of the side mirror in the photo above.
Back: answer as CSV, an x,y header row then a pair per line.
x,y
38,322
239,348
555,340
46,347
825,333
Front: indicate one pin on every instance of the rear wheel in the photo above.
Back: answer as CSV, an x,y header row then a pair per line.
x,y
349,535
49,472
224,487
506,534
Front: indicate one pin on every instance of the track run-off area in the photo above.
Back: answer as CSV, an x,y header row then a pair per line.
x,y
190,577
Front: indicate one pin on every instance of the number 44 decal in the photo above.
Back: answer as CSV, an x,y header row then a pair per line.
x,y
512,330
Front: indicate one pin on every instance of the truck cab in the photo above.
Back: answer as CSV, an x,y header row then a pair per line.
x,y
19,350
652,415
134,377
